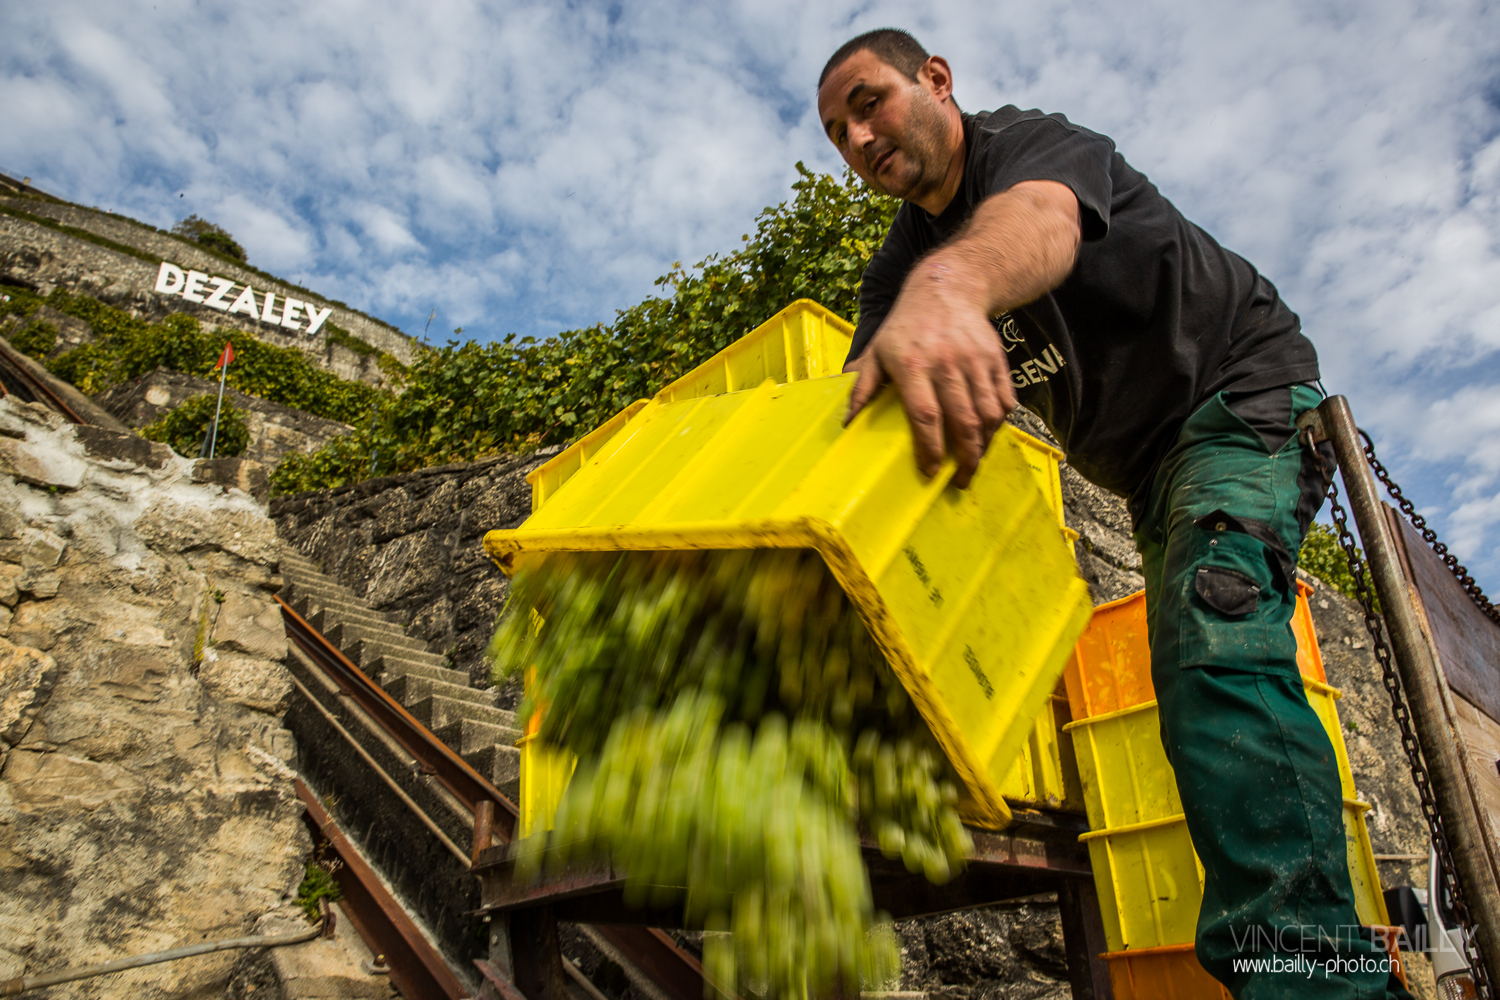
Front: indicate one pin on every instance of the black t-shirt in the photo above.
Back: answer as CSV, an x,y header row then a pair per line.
x,y
1155,318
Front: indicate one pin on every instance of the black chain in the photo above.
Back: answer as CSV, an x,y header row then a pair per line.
x,y
1376,627
1420,523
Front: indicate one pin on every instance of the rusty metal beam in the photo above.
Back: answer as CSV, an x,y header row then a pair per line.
x,y
1421,676
19,366
491,808
451,770
417,969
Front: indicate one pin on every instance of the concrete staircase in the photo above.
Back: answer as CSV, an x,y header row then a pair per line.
x,y
440,697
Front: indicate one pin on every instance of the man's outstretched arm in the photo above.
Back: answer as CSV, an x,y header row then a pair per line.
x,y
937,343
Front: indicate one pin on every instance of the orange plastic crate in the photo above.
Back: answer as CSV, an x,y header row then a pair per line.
x,y
1111,666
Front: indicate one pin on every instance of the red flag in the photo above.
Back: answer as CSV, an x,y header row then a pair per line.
x,y
226,357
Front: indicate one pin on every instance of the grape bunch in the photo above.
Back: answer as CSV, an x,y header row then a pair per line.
x,y
734,725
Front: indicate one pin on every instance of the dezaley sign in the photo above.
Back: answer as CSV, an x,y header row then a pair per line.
x,y
193,286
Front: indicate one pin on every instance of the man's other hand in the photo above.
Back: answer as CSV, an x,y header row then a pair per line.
x,y
945,357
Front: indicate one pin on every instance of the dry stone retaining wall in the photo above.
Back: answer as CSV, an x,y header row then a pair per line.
x,y
38,257
275,430
146,795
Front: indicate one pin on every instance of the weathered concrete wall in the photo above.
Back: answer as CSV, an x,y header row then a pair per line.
x,y
38,257
145,795
274,429
410,545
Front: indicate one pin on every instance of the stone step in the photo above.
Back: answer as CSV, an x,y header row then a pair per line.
x,y
502,765
436,712
348,632
467,736
416,687
324,589
430,665
329,616
366,652
345,609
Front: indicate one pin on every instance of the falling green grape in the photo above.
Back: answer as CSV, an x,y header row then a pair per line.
x,y
735,725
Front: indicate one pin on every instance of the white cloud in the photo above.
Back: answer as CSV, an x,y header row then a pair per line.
x,y
530,166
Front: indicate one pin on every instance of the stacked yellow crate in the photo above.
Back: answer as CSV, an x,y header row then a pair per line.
x,y
1149,879
972,595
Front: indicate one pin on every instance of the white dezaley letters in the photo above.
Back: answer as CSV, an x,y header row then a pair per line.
x,y
191,285
245,303
315,317
216,300
170,279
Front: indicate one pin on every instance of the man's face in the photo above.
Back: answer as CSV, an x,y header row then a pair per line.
x,y
891,130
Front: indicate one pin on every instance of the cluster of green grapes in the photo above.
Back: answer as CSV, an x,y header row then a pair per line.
x,y
673,677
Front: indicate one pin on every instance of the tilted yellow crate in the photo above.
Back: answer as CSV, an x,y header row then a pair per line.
x,y
972,594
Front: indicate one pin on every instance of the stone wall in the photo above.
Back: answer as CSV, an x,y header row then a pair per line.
x,y
38,257
410,545
274,429
146,799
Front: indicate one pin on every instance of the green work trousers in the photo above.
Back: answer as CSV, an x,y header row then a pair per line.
x,y
1255,769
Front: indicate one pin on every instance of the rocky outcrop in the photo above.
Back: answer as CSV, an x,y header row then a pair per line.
x,y
410,545
145,786
274,429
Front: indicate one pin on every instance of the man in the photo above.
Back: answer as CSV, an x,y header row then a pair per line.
x,y
1172,374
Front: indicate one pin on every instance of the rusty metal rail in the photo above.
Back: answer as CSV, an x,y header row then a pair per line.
x,y
676,972
416,968
435,757
36,385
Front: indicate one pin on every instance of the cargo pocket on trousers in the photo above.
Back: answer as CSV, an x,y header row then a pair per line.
x,y
1232,578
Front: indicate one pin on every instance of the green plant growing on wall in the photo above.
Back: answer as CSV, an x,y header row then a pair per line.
x,y
207,234
129,347
38,339
185,427
1323,557
318,882
336,334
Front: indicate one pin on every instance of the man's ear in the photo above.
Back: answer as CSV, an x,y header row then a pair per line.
x,y
937,77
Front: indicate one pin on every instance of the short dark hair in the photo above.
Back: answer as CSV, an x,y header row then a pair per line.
x,y
892,46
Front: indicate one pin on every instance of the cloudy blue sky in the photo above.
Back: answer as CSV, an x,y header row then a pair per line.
x,y
532,167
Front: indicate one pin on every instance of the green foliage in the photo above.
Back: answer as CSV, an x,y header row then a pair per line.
x,y
336,334
318,883
22,302
129,348
37,340
467,400
1323,557
206,234
185,427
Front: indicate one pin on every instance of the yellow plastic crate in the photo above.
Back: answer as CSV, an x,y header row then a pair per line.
x,y
545,773
1149,881
802,341
972,594
1369,899
1044,775
1124,770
